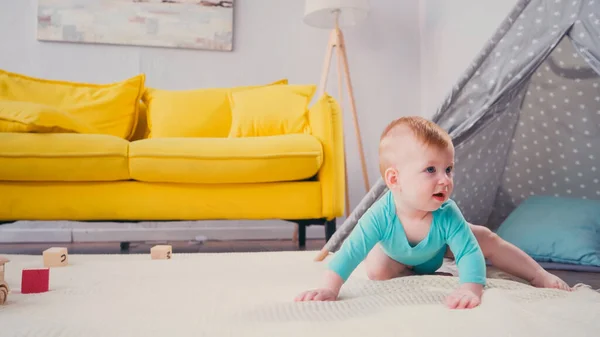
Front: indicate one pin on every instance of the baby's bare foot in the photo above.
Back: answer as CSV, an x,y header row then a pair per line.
x,y
544,279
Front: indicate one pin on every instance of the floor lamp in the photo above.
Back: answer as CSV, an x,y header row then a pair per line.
x,y
333,15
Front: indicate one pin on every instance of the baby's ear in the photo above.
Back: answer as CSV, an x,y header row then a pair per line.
x,y
391,177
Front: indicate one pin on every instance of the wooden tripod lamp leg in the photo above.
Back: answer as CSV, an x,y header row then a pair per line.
x,y
336,39
340,84
327,63
344,60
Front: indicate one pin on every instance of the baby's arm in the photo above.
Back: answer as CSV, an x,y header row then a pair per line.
x,y
353,251
469,260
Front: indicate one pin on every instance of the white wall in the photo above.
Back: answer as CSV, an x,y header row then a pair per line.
x,y
270,42
403,60
452,34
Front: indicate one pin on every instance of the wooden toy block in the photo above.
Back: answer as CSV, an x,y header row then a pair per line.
x,y
161,252
35,280
3,285
56,257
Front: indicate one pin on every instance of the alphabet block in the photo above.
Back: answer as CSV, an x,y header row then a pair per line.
x,y
35,280
161,252
56,257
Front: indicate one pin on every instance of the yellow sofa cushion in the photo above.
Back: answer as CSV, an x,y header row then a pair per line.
x,y
191,113
141,129
270,111
134,200
16,116
112,108
226,160
62,157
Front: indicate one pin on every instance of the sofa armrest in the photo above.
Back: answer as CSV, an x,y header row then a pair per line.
x,y
326,124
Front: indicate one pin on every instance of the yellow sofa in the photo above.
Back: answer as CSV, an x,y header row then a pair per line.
x,y
126,152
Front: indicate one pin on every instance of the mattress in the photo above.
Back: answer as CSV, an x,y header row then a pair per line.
x,y
251,294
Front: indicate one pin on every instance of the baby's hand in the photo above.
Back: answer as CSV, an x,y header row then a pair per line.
x,y
467,296
323,294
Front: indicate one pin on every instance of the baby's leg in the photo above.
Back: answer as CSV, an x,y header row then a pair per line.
x,y
510,259
381,267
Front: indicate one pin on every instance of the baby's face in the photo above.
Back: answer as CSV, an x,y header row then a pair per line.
x,y
425,175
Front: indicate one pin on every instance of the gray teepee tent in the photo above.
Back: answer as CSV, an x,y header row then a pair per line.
x,y
524,117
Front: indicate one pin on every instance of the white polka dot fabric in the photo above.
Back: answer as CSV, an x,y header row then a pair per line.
x,y
479,165
555,149
524,116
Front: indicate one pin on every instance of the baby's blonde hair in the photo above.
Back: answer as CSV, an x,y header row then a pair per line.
x,y
424,130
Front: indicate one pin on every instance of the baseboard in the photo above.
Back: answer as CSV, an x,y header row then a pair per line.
x,y
74,231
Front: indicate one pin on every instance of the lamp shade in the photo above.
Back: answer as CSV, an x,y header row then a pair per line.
x,y
321,13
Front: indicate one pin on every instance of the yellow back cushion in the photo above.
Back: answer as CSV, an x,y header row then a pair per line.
x,y
109,108
191,113
16,116
141,129
271,111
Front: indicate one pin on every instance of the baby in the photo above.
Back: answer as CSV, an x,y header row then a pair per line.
x,y
415,224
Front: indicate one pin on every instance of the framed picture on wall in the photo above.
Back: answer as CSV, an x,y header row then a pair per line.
x,y
190,24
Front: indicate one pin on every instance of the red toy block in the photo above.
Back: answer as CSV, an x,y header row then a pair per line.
x,y
35,280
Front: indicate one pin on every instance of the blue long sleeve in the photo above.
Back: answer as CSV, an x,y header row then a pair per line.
x,y
463,244
359,243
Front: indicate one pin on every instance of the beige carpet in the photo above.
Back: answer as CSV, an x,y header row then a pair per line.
x,y
251,294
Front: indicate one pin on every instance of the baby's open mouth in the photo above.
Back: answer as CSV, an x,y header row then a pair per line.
x,y
439,195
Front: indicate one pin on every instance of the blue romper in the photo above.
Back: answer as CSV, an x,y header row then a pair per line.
x,y
381,224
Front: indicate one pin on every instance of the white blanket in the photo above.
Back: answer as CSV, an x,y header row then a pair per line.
x,y
251,294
